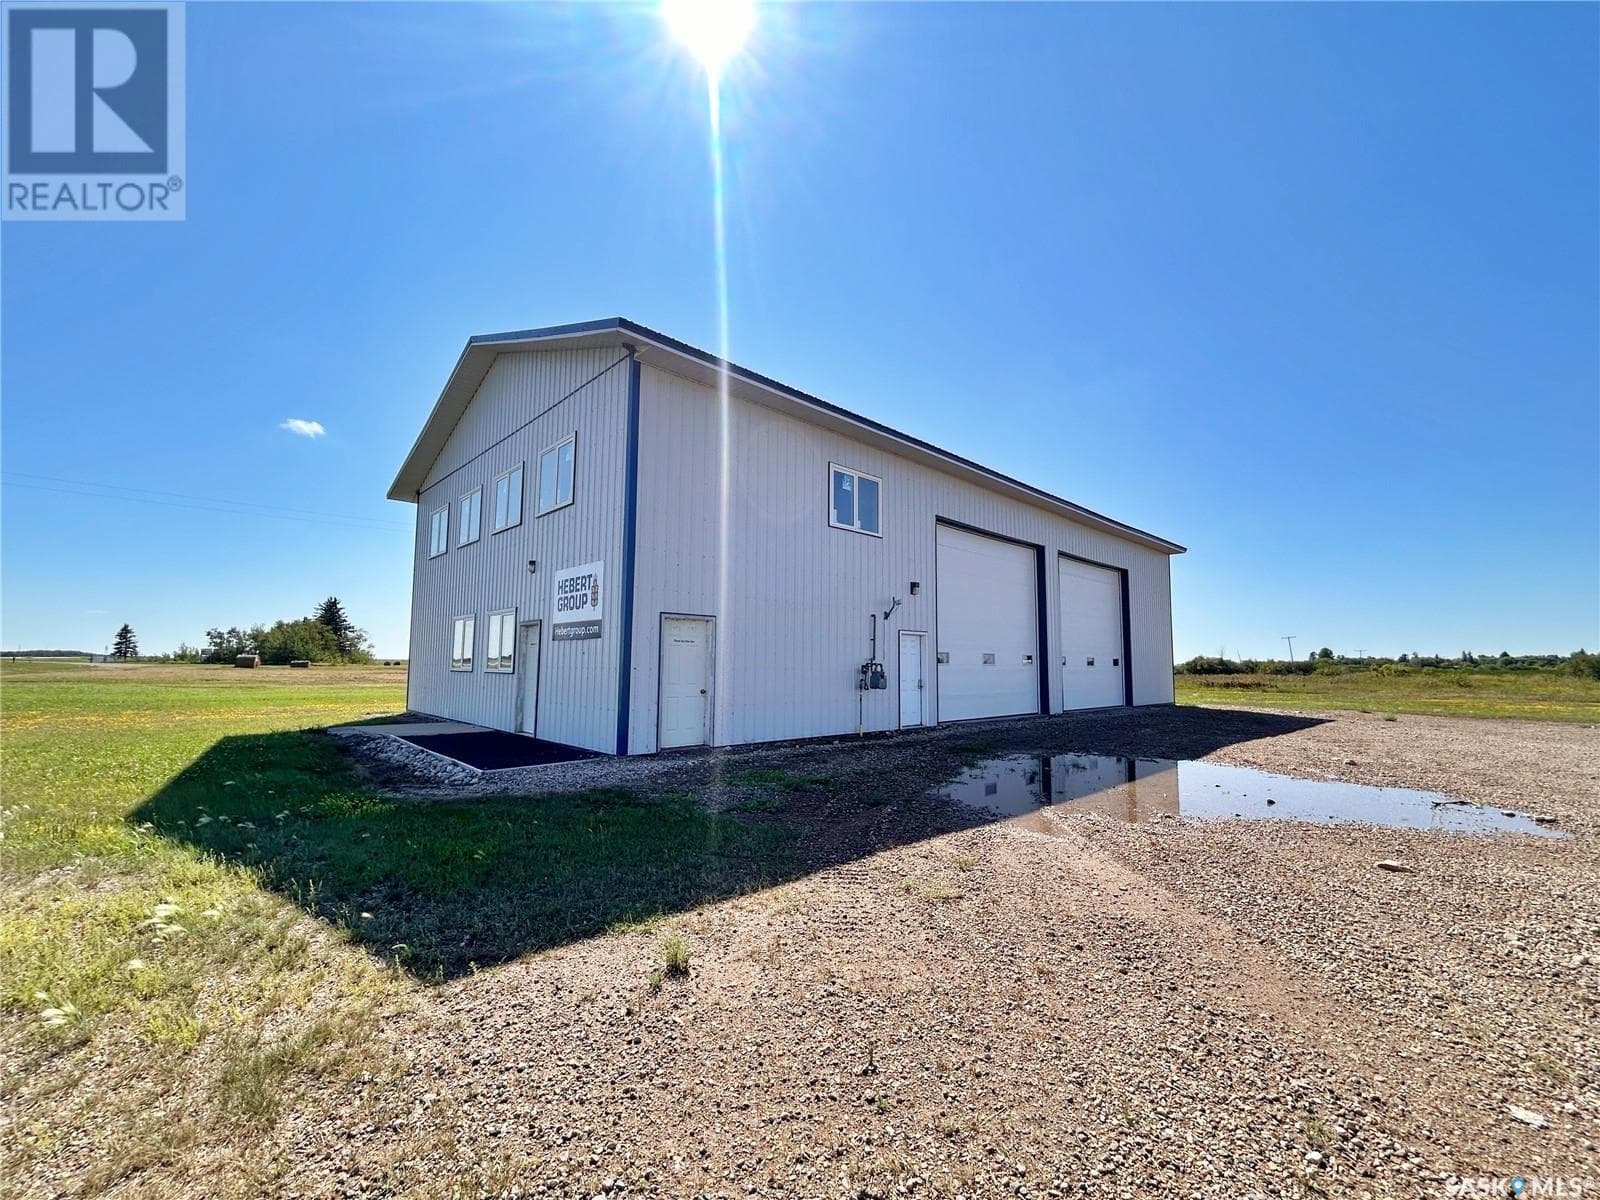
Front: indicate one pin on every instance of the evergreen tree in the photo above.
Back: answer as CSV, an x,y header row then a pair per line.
x,y
331,613
125,645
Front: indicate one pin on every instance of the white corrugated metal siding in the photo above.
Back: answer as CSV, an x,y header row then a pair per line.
x,y
793,607
578,680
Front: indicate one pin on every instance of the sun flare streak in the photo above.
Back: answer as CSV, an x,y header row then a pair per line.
x,y
724,408
713,31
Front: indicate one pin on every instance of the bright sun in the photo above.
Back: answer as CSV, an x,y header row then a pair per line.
x,y
712,30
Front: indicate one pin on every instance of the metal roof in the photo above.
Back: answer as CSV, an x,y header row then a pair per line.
x,y
668,353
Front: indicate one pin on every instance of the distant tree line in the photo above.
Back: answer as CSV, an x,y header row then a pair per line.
x,y
1325,661
327,636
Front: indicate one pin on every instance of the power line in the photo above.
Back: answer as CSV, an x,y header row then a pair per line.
x,y
332,520
338,522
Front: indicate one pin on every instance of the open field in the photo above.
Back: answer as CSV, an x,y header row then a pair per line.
x,y
1530,695
235,966
119,940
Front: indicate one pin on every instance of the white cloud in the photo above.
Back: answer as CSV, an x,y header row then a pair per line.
x,y
310,429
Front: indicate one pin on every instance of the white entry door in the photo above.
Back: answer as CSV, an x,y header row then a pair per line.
x,y
913,680
685,682
528,698
1093,672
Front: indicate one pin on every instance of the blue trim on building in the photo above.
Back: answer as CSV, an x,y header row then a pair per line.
x,y
630,521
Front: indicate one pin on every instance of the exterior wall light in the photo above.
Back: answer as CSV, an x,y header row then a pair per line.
x,y
915,587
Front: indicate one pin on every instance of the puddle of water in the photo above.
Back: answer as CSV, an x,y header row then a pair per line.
x,y
1023,786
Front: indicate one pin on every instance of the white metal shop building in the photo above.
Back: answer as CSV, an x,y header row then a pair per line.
x,y
610,556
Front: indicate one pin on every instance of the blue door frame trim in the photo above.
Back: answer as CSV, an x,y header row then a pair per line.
x,y
630,522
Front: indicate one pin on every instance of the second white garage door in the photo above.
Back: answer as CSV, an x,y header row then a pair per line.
x,y
988,638
1092,665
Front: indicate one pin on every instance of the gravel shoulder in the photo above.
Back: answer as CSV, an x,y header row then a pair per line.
x,y
948,1006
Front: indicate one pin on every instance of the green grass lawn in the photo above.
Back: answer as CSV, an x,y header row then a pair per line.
x,y
1531,694
196,877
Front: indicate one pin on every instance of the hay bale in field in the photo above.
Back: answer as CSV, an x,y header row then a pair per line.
x,y
300,662
247,660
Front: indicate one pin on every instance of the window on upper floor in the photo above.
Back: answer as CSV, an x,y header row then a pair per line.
x,y
439,532
470,508
463,635
557,465
508,499
853,500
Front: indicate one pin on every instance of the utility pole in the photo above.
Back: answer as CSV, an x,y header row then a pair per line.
x,y
1289,637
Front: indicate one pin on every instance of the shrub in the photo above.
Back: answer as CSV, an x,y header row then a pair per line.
x,y
1289,667
306,639
1209,666
1584,665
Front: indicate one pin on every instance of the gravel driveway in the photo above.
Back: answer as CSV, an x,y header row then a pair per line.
x,y
945,1005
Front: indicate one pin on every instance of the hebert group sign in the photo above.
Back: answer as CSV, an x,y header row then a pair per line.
x,y
579,591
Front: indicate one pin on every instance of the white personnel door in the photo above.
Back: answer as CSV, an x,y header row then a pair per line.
x,y
1092,667
913,680
988,635
685,682
528,701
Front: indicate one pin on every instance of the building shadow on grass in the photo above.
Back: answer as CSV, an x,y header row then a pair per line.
x,y
444,887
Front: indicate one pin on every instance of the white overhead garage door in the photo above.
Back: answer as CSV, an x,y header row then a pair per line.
x,y
987,597
1092,666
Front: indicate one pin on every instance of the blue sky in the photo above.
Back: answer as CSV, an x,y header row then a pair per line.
x,y
1310,289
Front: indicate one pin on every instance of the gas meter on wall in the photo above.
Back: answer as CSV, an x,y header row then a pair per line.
x,y
873,677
